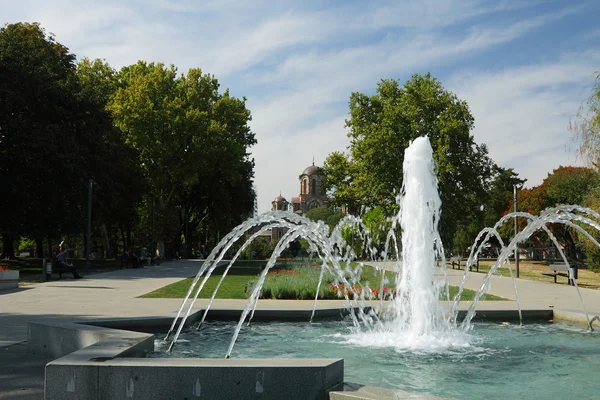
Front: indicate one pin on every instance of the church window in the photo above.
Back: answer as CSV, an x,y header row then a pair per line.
x,y
313,186
304,186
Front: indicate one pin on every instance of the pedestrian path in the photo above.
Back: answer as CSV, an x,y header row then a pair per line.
x,y
116,294
532,294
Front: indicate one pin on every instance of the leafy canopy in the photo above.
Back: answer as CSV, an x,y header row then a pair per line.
x,y
383,125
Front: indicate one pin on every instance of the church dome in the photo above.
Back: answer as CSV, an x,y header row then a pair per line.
x,y
279,199
311,170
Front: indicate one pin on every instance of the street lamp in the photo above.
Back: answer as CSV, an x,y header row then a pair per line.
x,y
516,229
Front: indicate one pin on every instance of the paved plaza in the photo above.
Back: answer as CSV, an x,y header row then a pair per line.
x,y
115,295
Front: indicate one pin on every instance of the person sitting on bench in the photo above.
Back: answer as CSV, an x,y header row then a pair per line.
x,y
62,263
131,258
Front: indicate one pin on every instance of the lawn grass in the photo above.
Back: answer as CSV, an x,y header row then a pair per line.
x,y
532,270
234,285
469,295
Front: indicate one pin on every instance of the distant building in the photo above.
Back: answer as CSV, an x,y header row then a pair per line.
x,y
312,195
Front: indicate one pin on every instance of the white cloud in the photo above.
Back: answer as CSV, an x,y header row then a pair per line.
x,y
522,113
298,65
281,158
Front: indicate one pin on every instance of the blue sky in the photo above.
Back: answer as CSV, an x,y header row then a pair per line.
x,y
524,67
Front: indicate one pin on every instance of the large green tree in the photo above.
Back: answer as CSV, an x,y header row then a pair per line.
x,y
500,194
48,134
565,185
119,184
193,144
326,214
381,127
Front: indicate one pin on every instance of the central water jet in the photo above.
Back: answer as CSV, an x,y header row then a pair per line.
x,y
416,306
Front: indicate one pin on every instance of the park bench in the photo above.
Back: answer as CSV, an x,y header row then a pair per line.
x,y
143,257
456,260
560,269
59,267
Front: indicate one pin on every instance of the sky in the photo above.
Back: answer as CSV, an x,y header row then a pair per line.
x,y
524,67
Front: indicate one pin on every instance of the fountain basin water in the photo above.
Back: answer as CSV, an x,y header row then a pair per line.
x,y
499,360
106,360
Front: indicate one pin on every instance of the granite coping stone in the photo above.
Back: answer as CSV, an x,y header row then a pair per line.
x,y
104,365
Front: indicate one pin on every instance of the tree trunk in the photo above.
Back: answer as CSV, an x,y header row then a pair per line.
x,y
39,247
8,249
124,239
85,245
50,252
105,241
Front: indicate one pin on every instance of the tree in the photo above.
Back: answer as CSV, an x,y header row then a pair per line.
x,y
500,194
326,214
382,127
592,252
565,185
193,145
570,185
119,184
586,126
378,225
338,175
48,133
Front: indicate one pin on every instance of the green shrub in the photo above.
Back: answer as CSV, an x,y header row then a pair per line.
x,y
297,283
26,244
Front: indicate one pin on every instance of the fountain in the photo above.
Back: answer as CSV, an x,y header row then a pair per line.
x,y
415,321
418,320
417,339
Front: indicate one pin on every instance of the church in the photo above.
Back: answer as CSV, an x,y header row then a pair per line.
x,y
312,193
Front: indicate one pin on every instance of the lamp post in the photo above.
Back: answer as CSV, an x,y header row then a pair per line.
x,y
516,229
89,228
153,246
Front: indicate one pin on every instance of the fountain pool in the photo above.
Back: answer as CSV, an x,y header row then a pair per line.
x,y
414,341
498,361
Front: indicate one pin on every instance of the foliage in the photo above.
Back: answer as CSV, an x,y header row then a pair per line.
x,y
294,248
500,194
26,244
338,174
260,249
570,185
120,185
390,120
565,185
586,126
326,214
193,147
378,225
49,126
592,252
294,284
142,134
